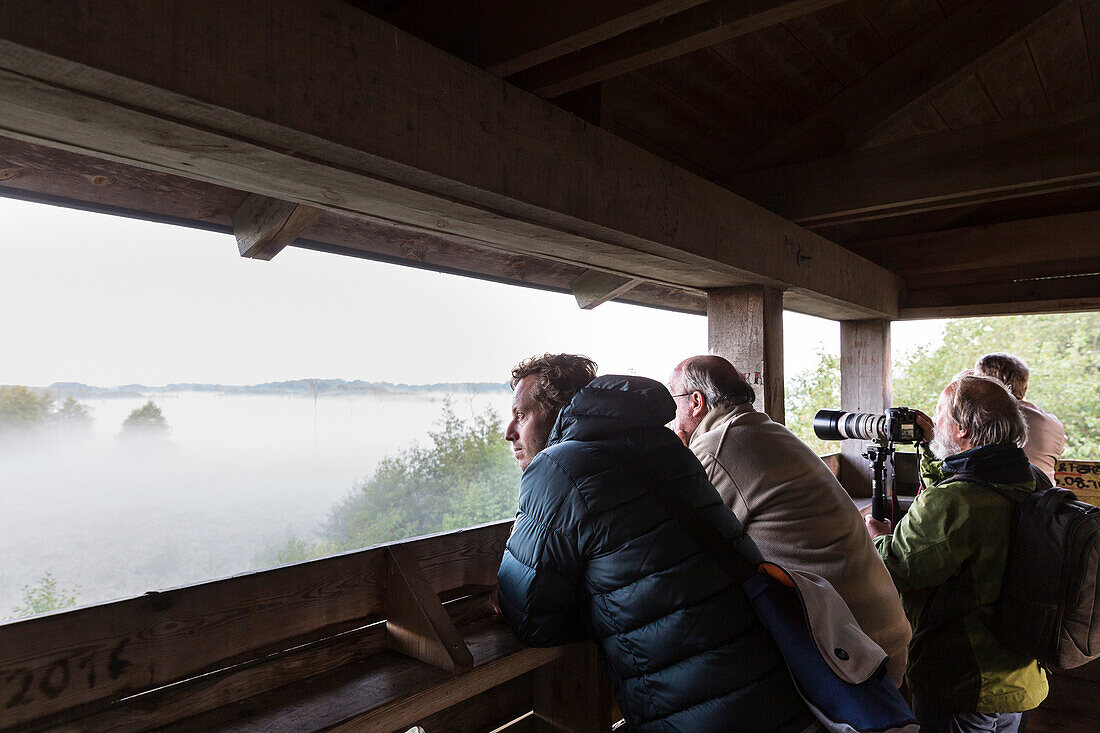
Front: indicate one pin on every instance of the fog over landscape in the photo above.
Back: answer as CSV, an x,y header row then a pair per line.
x,y
118,516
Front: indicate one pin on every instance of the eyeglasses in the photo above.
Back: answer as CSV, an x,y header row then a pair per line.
x,y
685,394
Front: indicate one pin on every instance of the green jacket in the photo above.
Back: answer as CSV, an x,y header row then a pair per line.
x,y
947,558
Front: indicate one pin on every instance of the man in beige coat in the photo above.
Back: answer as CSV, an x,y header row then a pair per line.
x,y
1046,437
788,501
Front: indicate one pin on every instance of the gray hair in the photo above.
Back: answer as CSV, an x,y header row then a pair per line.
x,y
721,384
1007,368
987,411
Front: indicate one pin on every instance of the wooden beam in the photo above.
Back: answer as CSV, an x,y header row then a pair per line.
x,y
1020,296
263,225
62,178
1049,246
416,624
592,287
684,33
508,37
745,325
866,385
1030,156
485,163
942,57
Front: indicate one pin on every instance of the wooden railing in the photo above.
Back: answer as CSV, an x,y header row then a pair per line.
x,y
380,639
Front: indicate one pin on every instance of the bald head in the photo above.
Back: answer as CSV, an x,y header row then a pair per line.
x,y
719,382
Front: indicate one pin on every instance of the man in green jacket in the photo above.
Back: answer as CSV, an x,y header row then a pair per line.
x,y
947,558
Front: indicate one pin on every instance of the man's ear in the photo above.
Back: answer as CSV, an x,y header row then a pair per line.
x,y
698,404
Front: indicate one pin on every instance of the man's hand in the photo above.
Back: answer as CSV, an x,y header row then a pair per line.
x,y
877,528
925,425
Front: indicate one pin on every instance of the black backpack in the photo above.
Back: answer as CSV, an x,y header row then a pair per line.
x,y
1050,597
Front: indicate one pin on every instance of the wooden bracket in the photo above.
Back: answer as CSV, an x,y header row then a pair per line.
x,y
593,287
416,623
263,225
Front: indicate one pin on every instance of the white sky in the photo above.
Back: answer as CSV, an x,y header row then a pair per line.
x,y
106,301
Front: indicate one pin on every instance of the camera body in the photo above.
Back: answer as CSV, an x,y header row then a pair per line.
x,y
896,425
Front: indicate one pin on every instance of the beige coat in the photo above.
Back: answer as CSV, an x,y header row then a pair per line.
x,y
1046,438
799,515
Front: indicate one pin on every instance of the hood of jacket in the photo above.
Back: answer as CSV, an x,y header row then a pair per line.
x,y
1004,464
613,404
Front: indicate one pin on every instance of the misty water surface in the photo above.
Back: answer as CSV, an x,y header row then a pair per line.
x,y
118,517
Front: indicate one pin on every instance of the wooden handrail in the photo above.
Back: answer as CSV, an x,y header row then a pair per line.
x,y
67,661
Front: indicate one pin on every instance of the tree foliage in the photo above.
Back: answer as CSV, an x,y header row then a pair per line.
x,y
72,414
147,419
1061,350
812,390
44,596
465,475
21,407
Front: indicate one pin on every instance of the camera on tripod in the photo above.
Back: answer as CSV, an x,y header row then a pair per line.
x,y
896,425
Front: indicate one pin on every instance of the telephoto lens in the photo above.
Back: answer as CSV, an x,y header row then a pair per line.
x,y
841,425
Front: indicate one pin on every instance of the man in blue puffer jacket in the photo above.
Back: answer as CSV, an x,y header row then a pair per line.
x,y
594,555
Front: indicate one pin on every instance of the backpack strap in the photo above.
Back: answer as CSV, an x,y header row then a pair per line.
x,y
1042,483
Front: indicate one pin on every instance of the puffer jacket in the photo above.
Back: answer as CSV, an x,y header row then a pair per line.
x,y
594,555
947,557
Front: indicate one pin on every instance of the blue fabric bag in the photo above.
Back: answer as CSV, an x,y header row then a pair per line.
x,y
838,670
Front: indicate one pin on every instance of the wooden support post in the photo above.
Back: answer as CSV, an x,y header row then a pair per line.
x,y
416,623
593,287
263,225
865,386
574,694
745,325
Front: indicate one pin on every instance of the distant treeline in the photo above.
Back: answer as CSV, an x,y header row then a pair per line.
x,y
304,387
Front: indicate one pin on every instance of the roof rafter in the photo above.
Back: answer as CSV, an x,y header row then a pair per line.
x,y
1041,154
945,55
691,30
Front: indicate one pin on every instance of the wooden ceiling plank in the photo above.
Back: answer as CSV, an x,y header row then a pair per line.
x,y
925,120
898,22
1062,59
686,32
659,112
966,104
1055,152
706,82
1090,19
1013,83
843,40
394,130
950,52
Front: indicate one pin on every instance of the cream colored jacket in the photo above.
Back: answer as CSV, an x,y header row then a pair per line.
x,y
1046,438
798,514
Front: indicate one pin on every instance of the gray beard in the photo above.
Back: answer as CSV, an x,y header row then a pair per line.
x,y
943,447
